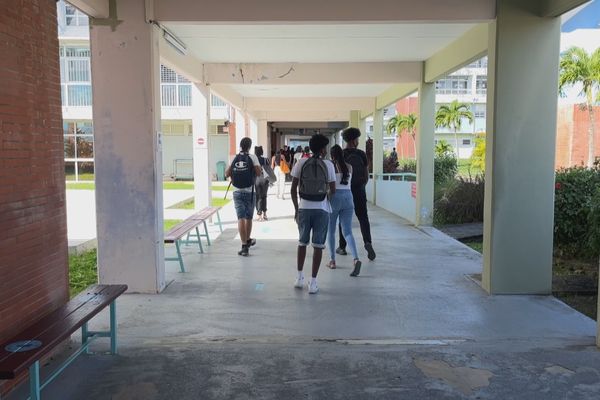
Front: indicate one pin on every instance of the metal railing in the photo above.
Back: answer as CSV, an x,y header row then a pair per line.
x,y
397,176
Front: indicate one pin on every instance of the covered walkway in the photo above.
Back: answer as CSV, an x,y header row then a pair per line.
x,y
413,325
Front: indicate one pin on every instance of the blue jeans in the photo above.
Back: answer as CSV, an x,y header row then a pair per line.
x,y
244,204
315,221
342,206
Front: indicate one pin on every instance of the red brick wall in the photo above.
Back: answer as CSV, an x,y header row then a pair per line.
x,y
564,131
572,135
33,234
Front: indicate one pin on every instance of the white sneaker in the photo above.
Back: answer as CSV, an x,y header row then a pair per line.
x,y
299,284
312,287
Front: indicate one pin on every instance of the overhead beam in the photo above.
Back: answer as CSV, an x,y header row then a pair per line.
x,y
93,8
556,8
309,73
395,93
187,65
307,103
302,116
324,11
467,48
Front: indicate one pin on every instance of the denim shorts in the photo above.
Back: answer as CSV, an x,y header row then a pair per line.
x,y
244,204
315,220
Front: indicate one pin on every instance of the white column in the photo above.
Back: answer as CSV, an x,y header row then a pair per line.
x,y
253,125
127,147
377,149
362,142
425,154
263,136
201,155
519,188
240,128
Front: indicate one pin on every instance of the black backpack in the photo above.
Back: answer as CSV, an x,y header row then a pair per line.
x,y
353,157
242,171
314,180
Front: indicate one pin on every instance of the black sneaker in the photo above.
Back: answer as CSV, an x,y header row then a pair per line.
x,y
356,271
370,252
341,252
244,251
251,242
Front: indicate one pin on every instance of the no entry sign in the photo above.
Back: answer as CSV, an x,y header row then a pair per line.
x,y
200,141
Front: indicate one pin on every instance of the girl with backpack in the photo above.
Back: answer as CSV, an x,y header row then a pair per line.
x,y
342,206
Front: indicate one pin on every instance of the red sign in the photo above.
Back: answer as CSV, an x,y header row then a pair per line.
x,y
413,190
200,141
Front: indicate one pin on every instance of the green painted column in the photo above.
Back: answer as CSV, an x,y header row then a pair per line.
x,y
354,120
425,154
377,149
521,129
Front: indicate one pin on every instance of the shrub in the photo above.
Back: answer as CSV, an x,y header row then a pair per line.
x,y
445,168
594,223
408,166
478,156
461,201
574,210
390,163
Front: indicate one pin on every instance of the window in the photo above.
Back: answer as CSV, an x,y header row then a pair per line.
x,y
479,110
79,150
481,63
175,90
457,84
466,142
176,128
481,84
75,76
216,101
74,17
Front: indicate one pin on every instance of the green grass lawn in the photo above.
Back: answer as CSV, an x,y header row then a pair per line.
x,y
166,186
189,204
81,185
169,223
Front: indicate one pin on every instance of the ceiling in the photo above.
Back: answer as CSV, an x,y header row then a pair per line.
x,y
308,90
317,43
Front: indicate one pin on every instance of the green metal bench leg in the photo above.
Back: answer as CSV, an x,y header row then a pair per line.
x,y
219,222
85,337
206,232
113,327
34,381
199,241
179,256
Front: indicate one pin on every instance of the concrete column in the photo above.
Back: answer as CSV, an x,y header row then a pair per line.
x,y
263,136
253,127
240,128
200,146
362,142
519,191
354,119
377,149
128,158
425,154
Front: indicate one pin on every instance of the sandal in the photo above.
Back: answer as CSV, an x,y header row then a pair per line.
x,y
331,264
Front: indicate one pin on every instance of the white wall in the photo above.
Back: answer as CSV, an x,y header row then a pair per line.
x,y
396,197
219,151
176,147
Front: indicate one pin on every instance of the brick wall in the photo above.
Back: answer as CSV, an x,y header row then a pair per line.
x,y
33,236
572,135
564,132
405,143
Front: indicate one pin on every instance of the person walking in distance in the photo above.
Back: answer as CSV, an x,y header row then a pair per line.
x,y
342,205
360,167
243,171
262,185
314,179
277,165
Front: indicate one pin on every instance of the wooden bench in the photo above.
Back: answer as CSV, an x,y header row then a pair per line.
x,y
26,349
187,228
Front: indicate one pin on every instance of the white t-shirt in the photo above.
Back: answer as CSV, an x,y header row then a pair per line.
x,y
255,162
338,179
314,205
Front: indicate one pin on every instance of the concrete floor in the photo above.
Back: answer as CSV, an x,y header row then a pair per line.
x,y
412,326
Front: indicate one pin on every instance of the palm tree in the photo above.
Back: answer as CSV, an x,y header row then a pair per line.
x,y
577,66
392,127
451,116
408,123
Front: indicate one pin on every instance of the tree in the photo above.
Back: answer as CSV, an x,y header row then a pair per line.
x,y
392,128
579,67
408,123
478,156
442,148
451,116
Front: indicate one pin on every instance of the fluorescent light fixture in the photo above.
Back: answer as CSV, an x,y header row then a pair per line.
x,y
177,44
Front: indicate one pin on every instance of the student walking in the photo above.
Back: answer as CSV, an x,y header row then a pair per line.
x,y
279,166
262,185
243,171
360,166
342,205
314,179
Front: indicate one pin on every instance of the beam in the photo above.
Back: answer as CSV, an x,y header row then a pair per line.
x,y
187,65
303,116
469,47
93,8
330,10
556,8
307,103
312,73
395,93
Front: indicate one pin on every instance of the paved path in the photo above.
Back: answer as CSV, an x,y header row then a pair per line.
x,y
412,326
463,231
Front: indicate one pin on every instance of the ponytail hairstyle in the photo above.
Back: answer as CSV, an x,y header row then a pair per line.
x,y
338,157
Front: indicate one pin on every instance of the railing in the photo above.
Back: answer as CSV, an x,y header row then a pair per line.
x,y
397,176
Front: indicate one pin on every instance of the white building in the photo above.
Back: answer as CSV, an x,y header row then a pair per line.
x,y
176,111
